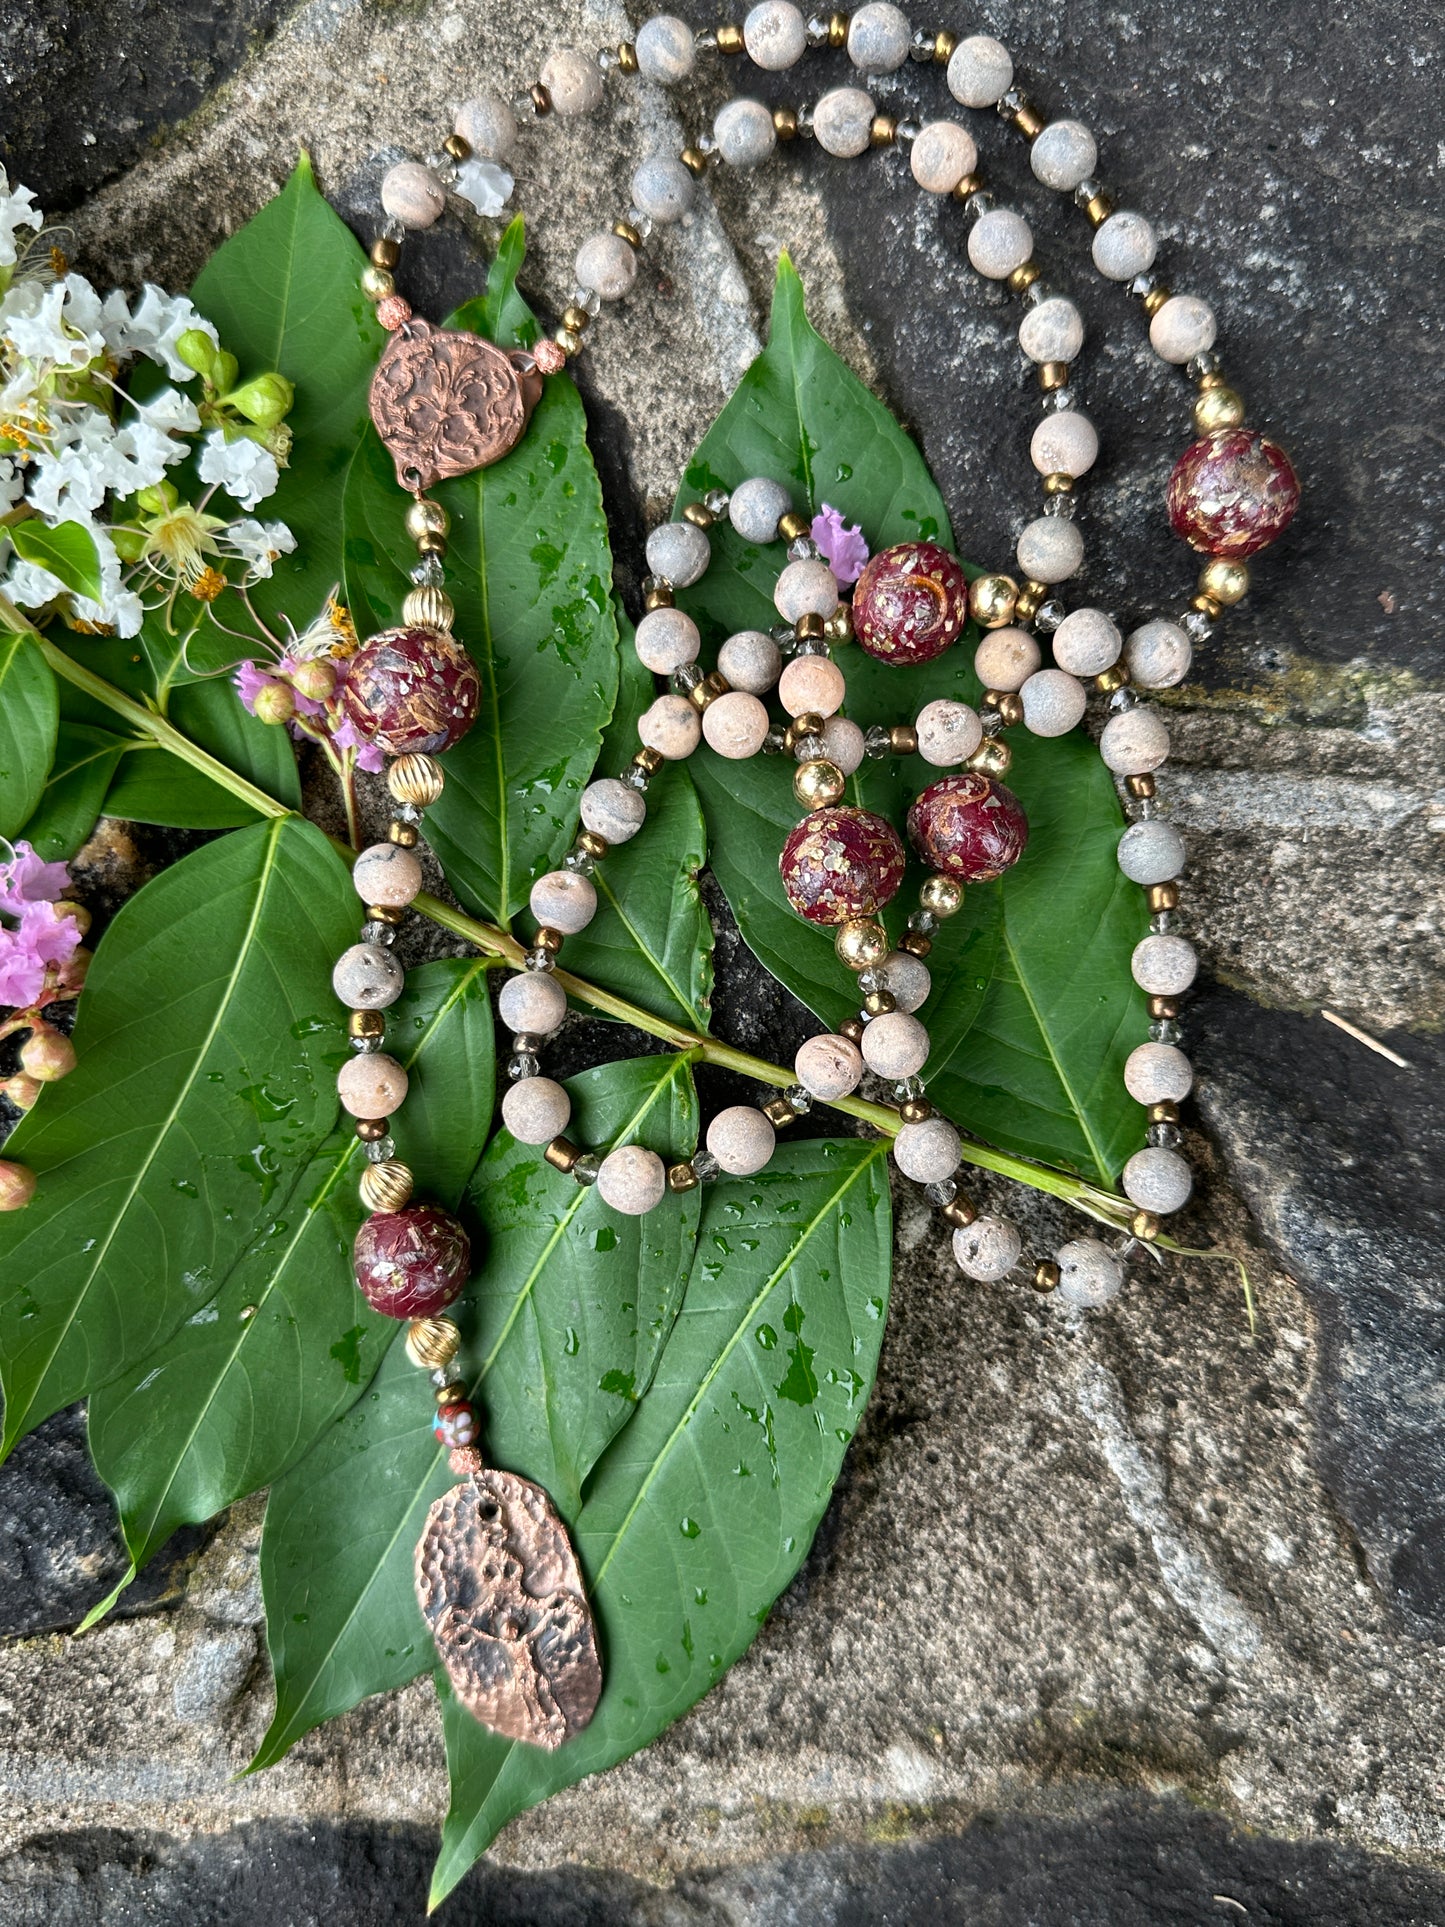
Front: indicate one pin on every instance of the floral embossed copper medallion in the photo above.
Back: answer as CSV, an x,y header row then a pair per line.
x,y
446,403
498,1584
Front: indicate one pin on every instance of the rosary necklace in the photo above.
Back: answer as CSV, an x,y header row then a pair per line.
x,y
497,1579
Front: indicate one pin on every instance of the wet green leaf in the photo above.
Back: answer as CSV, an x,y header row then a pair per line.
x,y
85,761
29,717
67,550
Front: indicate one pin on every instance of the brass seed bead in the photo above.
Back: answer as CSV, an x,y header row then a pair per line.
x,y
384,913
943,46
818,784
1029,121
541,99
371,1130
649,760
549,939
425,517
960,1211
1024,277
1007,705
415,778
659,596
433,608
431,543
385,253
810,723
576,319
626,57
1141,785
837,30
366,1023
1226,581
915,943
386,1187
1046,1276
1030,599
1112,678
707,691
377,283
992,599
1218,408
883,131
1163,1008
593,845
1154,301
941,896
1144,1225
993,757
779,1113
903,739
1166,1112
970,185
561,1154
878,1003
852,1029
1214,379
569,341
432,1343
681,1177
452,1393
809,628
730,39
699,514
785,123
694,160
1163,896
458,146
627,232
1207,605
839,626
403,835
1099,209
1058,485
1053,375
915,1110
861,943
793,527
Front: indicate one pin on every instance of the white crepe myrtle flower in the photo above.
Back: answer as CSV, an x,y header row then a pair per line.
x,y
153,327
61,327
17,211
259,545
12,484
242,467
170,411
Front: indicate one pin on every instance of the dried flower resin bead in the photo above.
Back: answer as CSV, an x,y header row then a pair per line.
x,y
1232,493
536,1110
388,874
366,977
632,1180
412,1263
841,862
371,1086
741,1139
968,826
988,1249
612,809
412,688
751,661
910,603
829,1066
1090,1274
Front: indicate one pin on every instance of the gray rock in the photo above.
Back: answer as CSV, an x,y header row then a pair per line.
x,y
212,1673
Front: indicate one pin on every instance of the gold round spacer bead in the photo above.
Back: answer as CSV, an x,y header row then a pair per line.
x,y
415,778
366,1023
1163,1008
837,30
699,514
1058,484
432,1343
625,231
903,740
730,39
839,625
385,253
708,690
817,784
1046,1276
549,939
452,1393
576,319
878,1003
1207,605
915,1110
1154,301
458,147
424,517
386,1187
1144,1225
1099,209
377,283
1024,277
960,1211
371,1130
793,527
970,185
992,599
430,543
694,160
852,1029
882,131
403,835
1142,785
681,1177
433,608
569,341
1226,581
593,845
993,757
626,57
941,896
915,943
1216,408
650,761
785,123
861,943
384,913
779,1113
1031,598
810,723
541,99
1112,678
943,46
1006,704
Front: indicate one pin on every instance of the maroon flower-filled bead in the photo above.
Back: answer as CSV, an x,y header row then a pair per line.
x,y
841,862
412,1263
1232,493
968,826
456,1425
911,602
413,688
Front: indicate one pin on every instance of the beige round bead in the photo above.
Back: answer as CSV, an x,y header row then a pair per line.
x,y
941,155
613,810
671,727
412,194
563,900
908,978
999,242
811,685
1164,966
735,725
1054,702
1050,549
573,79
387,874
948,733
829,1066
665,640
1135,742
750,661
806,589
608,265
1158,1074
843,123
988,1249
775,34
844,743
372,1085
741,1139
367,977
895,1045
980,71
1090,1274
928,1152
1086,643
1006,658
536,1109
1182,328
1157,1180
1158,654
1066,444
632,1180
488,126
531,1001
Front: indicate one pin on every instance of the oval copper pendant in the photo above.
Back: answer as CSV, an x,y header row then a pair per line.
x,y
446,403
498,1584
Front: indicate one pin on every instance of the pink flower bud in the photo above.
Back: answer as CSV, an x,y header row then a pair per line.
x,y
47,1055
17,1185
275,703
21,1090
315,679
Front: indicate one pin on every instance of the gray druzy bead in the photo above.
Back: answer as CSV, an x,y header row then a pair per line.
x,y
563,900
1158,1074
488,125
908,978
613,810
573,79
1151,852
829,1066
988,1249
536,1109
1089,1274
1050,549
775,35
1135,742
750,661
1157,1180
679,551
941,155
948,732
1063,154
1006,658
1052,331
843,122
664,47
387,874
1086,643
663,189
741,1139
632,1180
1164,966
928,1152
895,1045
979,71
412,194
1158,654
532,1002
843,743
607,264
1182,328
367,977
1124,245
879,36
756,507
1054,702
805,589
665,639
744,133
999,242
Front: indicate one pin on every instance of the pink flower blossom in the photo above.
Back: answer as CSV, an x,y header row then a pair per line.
x,y
26,878
368,757
250,681
40,936
842,545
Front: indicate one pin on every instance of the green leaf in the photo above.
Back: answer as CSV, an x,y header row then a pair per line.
x,y
85,761
703,1509
152,786
67,550
207,1040
213,715
29,715
249,1382
341,1528
500,313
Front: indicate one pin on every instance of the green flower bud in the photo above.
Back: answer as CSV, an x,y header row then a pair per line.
x,y
197,350
265,400
159,499
130,544
276,703
315,678
227,369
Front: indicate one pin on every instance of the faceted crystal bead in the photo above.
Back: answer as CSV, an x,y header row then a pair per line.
x,y
877,742
993,723
799,1099
1164,1031
1121,700
1059,401
1197,625
804,549
377,932
382,1151
1148,808
817,30
586,1168
871,980
908,1089
651,584
429,573
1063,506
607,59
1164,1137
410,813
920,48
637,778
705,39
706,1166
642,222
523,1063
364,1045
981,203
524,107
812,646
1144,285
923,922
783,634
1039,292
944,1192
579,860
1085,192
394,230
810,749
909,130
773,742
1162,922
1050,615
805,123
716,500
1011,103
1198,366
686,679
588,299
540,959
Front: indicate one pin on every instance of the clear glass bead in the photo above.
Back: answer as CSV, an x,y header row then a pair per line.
x,y
429,573
943,1192
607,59
993,723
1121,700
1066,507
923,921
587,1167
1197,625
382,1150
773,742
375,931
817,30
706,1166
871,980
363,1046
1162,922
1085,192
716,501
1011,103
812,646
800,1101
687,678
637,778
909,130
810,749
1050,615
640,221
785,636
1144,285
1124,1249
652,583
440,162
805,123
579,860
1164,1137
1039,291
804,549
1164,1030
921,46
443,1375
707,146
1198,366
540,959
705,39
1059,401
1148,809
524,107
410,813
877,742
394,230
523,1063
587,298
982,203
908,1090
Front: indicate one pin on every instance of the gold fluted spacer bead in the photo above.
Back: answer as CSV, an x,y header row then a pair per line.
x,y
415,778
386,1187
810,628
1029,121
432,1343
433,608
1141,785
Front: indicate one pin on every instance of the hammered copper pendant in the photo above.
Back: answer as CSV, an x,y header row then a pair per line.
x,y
446,403
498,1584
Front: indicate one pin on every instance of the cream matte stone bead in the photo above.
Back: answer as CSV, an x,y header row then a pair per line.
x,y
412,194
1050,550
632,1180
665,639
879,36
811,683
843,122
735,725
1063,154
387,874
895,1045
372,1085
680,553
1066,444
665,49
671,727
1182,328
744,132
999,242
613,810
1151,852
948,733
741,1139
563,900
531,1001
663,189
805,589
1158,1074
1054,703
1052,331
1135,742
908,978
608,265
1090,1274
1164,966
988,1249
775,35
367,977
980,71
829,1066
1124,245
1157,1180
756,507
574,80
488,126
1006,658
844,743
941,155
928,1152
1086,643
536,1109
750,661
1158,654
